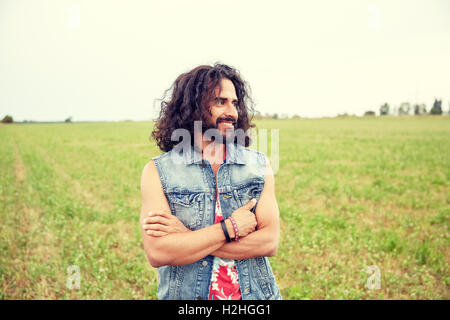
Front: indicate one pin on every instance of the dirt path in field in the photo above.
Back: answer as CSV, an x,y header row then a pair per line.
x,y
19,168
31,244
25,220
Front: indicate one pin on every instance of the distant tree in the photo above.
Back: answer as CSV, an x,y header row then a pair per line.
x,y
275,116
295,116
420,109
369,113
7,119
69,119
404,108
437,107
384,109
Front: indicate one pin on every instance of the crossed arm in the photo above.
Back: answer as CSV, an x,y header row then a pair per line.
x,y
180,246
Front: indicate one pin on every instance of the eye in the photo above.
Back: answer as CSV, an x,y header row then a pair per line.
x,y
235,103
220,101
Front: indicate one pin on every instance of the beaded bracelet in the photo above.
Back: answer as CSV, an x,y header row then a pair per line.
x,y
236,231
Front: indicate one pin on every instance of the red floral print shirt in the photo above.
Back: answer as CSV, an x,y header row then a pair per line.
x,y
224,278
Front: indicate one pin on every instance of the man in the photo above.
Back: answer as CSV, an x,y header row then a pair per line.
x,y
209,214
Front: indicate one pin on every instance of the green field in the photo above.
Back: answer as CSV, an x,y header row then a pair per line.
x,y
352,192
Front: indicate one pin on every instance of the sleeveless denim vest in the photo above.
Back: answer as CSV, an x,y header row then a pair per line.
x,y
189,184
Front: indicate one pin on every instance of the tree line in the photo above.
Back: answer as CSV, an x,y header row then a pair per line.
x,y
405,108
10,119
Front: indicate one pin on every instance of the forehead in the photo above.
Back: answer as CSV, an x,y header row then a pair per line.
x,y
228,90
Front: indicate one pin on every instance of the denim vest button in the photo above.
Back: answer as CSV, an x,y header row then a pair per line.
x,y
204,263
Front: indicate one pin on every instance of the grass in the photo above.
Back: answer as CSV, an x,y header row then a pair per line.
x,y
352,192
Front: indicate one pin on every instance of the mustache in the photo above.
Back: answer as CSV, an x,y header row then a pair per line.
x,y
230,119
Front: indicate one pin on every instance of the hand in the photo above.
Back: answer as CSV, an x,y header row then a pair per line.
x,y
162,223
245,219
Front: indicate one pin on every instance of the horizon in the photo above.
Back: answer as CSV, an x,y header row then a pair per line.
x,y
294,117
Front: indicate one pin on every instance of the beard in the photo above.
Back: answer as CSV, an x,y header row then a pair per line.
x,y
216,134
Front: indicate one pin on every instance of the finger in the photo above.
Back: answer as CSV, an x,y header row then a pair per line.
x,y
155,233
156,219
155,227
250,204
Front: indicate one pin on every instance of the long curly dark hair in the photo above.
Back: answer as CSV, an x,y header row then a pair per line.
x,y
189,99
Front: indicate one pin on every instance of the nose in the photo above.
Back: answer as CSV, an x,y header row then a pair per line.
x,y
231,110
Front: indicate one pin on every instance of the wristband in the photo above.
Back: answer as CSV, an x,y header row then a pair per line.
x,y
225,231
236,231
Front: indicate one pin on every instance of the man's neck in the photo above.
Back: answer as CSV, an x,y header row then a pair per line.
x,y
213,152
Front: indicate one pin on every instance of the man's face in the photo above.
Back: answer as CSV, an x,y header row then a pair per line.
x,y
223,109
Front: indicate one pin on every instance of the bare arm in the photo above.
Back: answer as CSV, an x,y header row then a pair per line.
x,y
166,240
178,248
264,241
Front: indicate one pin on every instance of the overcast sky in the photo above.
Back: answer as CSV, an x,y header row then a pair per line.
x,y
109,60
